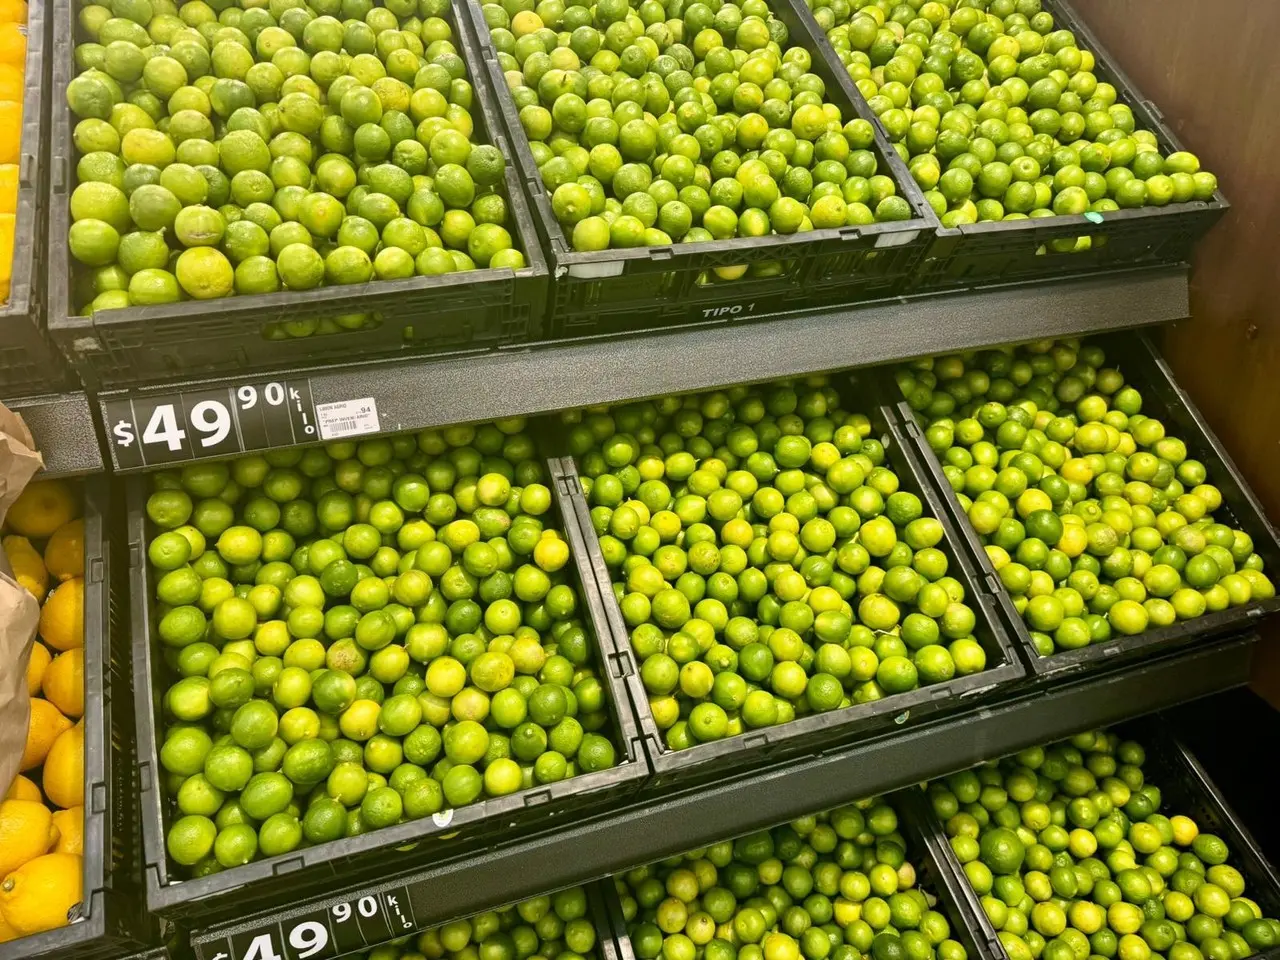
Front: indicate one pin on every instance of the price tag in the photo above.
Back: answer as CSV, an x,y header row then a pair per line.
x,y
347,418
192,425
318,934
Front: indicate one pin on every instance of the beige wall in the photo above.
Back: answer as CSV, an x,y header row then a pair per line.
x,y
1214,71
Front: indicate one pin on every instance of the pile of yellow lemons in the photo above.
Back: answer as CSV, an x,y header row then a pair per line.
x,y
42,815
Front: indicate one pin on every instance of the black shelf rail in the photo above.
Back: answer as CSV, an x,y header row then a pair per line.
x,y
64,428
388,397
654,826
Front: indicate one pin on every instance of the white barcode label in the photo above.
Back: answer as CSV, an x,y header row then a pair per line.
x,y
347,418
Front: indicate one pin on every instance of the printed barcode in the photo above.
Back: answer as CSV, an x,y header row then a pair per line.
x,y
347,418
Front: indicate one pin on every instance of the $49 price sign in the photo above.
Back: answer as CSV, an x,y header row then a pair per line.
x,y
320,934
172,427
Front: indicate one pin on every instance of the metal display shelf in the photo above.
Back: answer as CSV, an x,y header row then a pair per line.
x,y
370,398
62,425
667,822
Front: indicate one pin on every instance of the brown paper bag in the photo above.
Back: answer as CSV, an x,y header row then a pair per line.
x,y
19,610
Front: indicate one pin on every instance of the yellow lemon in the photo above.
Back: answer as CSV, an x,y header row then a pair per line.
x,y
13,44
70,824
46,726
39,896
8,171
43,507
64,553
64,682
26,832
62,617
36,666
28,565
24,789
64,769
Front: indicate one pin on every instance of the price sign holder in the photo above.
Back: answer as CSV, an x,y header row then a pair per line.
x,y
155,429
322,933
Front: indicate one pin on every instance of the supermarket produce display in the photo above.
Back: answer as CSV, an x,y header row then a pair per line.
x,y
1068,850
576,432
766,563
1098,521
845,884
761,793
999,115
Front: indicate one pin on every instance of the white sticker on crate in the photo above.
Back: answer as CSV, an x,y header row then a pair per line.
x,y
347,418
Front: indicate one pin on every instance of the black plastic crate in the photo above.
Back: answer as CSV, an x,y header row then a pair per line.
x,y
947,888
1019,250
315,872
648,288
30,364
1163,399
110,922
1185,788
820,731
474,310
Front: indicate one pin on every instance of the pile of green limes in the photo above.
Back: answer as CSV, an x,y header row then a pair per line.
x,y
1095,520
656,122
362,634
999,114
765,560
244,147
1071,857
836,886
555,927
